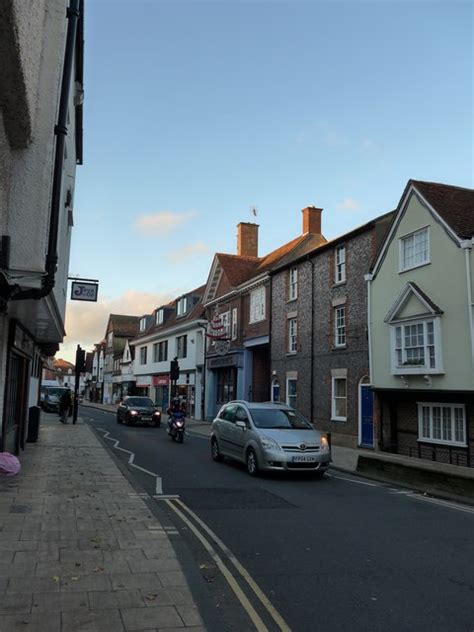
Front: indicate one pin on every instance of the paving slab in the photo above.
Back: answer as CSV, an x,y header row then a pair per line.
x,y
83,552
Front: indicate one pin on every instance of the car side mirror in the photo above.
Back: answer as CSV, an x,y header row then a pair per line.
x,y
241,424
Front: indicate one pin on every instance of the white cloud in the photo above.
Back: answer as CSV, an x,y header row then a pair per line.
x,y
348,204
86,322
162,223
187,252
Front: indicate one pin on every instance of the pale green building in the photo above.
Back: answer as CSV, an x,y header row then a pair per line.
x,y
420,324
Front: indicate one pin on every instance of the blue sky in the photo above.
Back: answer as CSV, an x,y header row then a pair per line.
x,y
197,111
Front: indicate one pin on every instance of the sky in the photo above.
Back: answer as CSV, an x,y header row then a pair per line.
x,y
196,112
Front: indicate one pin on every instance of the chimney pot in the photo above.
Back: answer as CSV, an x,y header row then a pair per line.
x,y
247,239
312,220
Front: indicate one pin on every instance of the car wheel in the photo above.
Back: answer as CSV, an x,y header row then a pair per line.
x,y
319,473
157,424
128,421
216,455
252,463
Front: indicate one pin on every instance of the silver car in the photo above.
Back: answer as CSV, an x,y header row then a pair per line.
x,y
268,436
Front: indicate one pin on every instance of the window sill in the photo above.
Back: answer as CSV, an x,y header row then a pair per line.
x,y
418,265
417,371
255,322
291,353
338,283
452,444
292,300
338,418
339,347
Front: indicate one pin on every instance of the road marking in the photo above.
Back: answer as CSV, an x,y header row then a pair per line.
x,y
116,446
442,503
249,609
275,615
351,480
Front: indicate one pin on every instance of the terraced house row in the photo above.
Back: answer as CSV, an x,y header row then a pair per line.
x,y
370,335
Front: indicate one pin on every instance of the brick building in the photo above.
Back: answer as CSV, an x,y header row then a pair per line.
x,y
319,350
238,306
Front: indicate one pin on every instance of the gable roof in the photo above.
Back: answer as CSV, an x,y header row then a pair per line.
x,y
454,204
239,269
412,289
451,206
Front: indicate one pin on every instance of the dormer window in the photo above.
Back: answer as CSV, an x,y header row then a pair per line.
x,y
160,317
143,323
182,306
415,249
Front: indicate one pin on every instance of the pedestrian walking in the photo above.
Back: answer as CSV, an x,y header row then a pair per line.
x,y
65,406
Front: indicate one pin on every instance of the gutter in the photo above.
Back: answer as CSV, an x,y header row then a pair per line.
x,y
368,279
15,293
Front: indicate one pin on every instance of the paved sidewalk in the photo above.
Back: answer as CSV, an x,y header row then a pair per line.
x,y
79,550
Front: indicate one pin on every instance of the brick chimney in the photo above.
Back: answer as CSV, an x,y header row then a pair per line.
x,y
247,239
312,220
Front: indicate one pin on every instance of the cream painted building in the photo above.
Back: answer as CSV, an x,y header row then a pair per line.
x,y
421,335
41,94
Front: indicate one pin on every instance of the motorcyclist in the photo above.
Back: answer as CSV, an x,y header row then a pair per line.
x,y
175,410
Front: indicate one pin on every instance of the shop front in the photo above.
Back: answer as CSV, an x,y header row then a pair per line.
x,y
161,391
224,381
143,386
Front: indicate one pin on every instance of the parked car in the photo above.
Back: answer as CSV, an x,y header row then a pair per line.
x,y
134,410
269,436
52,397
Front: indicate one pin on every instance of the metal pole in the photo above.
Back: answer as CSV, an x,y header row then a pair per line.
x,y
76,386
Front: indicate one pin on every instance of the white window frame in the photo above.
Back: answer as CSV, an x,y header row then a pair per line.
x,y
257,305
287,394
159,317
293,284
340,337
163,344
234,323
401,245
182,306
335,417
143,355
410,369
292,335
340,264
185,337
142,326
110,338
423,438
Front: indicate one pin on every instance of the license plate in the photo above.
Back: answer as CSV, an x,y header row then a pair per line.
x,y
304,459
146,418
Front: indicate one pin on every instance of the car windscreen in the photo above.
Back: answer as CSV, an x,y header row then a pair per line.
x,y
139,401
279,418
56,391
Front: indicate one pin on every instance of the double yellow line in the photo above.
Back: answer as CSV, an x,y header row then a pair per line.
x,y
181,510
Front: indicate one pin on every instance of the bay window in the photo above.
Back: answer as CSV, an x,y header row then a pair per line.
x,y
416,347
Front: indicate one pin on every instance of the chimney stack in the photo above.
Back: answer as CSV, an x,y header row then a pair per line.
x,y
247,239
312,220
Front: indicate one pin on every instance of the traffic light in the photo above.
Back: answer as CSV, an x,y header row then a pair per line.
x,y
80,360
174,370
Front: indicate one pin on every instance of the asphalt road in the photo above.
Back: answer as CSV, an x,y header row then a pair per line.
x,y
332,555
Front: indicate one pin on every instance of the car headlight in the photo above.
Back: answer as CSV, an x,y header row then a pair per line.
x,y
134,413
157,413
269,444
324,443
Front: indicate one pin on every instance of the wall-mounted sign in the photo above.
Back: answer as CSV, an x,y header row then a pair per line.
x,y
81,291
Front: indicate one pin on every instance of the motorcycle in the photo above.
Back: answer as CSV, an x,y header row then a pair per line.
x,y
176,425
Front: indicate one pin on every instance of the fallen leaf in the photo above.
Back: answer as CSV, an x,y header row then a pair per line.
x,y
55,578
74,579
98,569
151,597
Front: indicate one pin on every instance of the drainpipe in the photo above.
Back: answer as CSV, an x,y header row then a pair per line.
x,y
467,246
311,373
368,279
60,130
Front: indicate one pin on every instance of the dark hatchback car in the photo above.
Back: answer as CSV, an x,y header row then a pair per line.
x,y
138,410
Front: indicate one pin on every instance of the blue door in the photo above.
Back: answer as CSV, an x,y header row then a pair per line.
x,y
366,416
